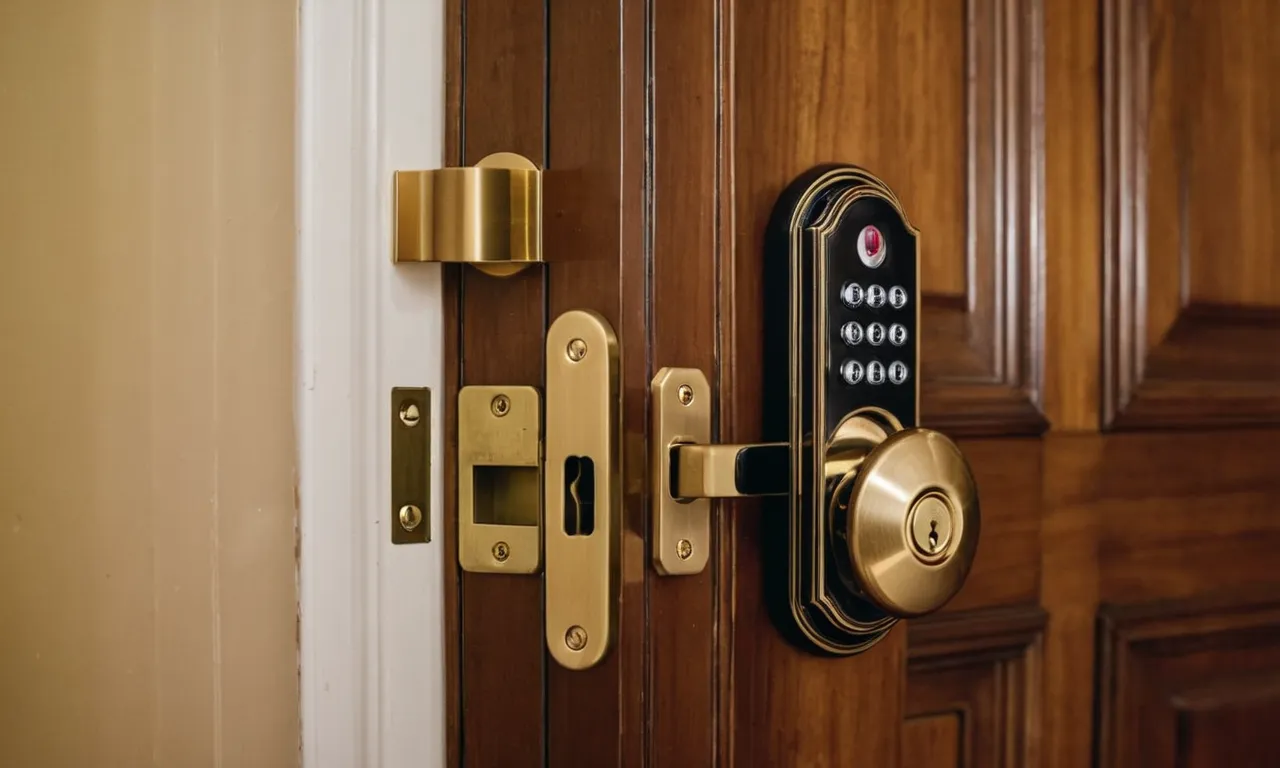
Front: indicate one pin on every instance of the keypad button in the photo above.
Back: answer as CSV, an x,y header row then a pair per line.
x,y
875,334
897,371
875,296
851,371
851,333
875,372
852,295
897,297
898,334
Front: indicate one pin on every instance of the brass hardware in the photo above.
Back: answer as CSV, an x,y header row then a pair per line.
x,y
576,638
489,216
583,489
410,517
681,413
409,414
410,465
878,519
728,471
686,471
499,478
910,522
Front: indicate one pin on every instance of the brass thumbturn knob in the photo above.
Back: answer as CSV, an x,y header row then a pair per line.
x,y
907,513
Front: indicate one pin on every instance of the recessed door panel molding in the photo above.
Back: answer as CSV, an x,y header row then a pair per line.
x,y
1190,682
964,154
1192,295
974,684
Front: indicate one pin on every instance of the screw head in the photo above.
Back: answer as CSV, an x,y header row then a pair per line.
x,y
501,551
500,405
685,393
409,413
684,548
410,517
576,350
575,638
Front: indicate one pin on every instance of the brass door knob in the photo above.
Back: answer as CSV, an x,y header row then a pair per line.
x,y
903,506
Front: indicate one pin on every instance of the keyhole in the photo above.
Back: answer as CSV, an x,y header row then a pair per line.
x,y
579,496
933,535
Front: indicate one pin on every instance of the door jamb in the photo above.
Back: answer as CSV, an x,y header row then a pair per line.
x,y
370,89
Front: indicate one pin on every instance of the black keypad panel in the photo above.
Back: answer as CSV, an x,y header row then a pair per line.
x,y
871,314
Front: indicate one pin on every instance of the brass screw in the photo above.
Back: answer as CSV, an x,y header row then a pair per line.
x,y
410,517
500,405
576,350
686,394
501,551
409,413
576,638
684,548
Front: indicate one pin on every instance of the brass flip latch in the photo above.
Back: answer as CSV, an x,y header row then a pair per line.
x,y
489,216
688,471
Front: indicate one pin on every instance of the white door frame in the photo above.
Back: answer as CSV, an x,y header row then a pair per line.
x,y
370,100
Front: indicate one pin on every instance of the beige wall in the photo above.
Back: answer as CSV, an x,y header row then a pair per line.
x,y
147,523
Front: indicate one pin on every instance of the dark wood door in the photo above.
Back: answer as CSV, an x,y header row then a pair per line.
x,y
1096,184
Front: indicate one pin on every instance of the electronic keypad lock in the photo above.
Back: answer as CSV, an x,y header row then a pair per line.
x,y
872,518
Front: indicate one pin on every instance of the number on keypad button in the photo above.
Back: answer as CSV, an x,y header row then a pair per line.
x,y
851,333
875,372
875,296
851,371
875,334
898,334
851,294
897,371
897,297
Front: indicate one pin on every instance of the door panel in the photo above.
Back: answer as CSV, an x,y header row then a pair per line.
x,y
1096,299
1193,288
981,671
1194,682
940,98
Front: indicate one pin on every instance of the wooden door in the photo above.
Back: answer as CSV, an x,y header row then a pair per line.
x,y
1096,187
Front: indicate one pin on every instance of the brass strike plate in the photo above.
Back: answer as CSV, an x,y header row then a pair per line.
x,y
410,465
499,479
681,413
583,488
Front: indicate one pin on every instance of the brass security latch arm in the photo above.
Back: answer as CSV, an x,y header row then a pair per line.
x,y
727,471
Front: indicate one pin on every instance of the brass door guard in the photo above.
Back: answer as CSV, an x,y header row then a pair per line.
x,y
489,216
729,471
688,470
